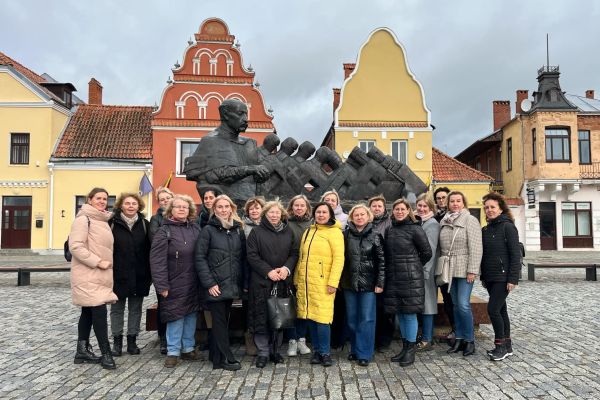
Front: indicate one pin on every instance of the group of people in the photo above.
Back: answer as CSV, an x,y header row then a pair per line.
x,y
353,275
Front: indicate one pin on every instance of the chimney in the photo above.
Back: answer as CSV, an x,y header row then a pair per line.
x,y
336,98
589,94
348,68
521,95
94,92
501,113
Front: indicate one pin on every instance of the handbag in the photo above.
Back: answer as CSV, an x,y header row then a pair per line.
x,y
281,310
442,268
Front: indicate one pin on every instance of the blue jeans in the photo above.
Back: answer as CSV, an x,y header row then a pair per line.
x,y
427,328
463,317
408,326
320,335
180,335
298,331
360,315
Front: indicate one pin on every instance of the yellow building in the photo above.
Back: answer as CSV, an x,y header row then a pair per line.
x,y
33,112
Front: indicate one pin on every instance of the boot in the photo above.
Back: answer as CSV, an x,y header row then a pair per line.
x,y
459,345
499,352
409,355
163,345
117,350
496,343
132,346
469,348
106,361
509,349
84,353
399,356
250,346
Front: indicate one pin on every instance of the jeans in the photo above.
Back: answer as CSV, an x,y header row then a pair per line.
x,y
360,316
408,326
463,317
497,309
298,331
180,335
427,327
320,335
134,316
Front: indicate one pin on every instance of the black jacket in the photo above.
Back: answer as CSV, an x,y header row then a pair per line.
x,y
221,260
298,226
131,257
501,261
382,223
364,261
267,249
172,264
156,222
407,250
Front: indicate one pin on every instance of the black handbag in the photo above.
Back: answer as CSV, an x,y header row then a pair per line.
x,y
281,310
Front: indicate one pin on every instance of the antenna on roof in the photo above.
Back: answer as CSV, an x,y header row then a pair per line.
x,y
547,53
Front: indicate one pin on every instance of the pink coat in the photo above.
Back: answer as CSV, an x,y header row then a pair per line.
x,y
90,285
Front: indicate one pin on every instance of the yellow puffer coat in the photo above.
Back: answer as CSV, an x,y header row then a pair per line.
x,y
320,265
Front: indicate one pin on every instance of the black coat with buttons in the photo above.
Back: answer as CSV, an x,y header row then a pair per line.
x,y
501,261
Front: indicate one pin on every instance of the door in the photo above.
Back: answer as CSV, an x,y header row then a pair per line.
x,y
547,226
16,222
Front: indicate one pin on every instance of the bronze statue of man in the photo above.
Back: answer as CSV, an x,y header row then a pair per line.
x,y
227,160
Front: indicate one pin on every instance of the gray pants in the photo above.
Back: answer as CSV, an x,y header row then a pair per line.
x,y
134,316
268,343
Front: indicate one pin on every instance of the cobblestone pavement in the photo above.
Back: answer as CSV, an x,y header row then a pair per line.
x,y
555,329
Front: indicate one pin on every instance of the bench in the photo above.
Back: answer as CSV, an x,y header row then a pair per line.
x,y
590,269
24,272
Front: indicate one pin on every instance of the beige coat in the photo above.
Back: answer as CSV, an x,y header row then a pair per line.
x,y
90,285
467,250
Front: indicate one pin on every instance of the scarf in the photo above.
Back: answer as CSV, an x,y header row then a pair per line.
x,y
227,224
427,216
279,227
129,221
450,217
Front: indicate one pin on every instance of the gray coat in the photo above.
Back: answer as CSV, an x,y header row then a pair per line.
x,y
432,230
467,250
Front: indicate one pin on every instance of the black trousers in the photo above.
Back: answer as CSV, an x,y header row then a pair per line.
x,y
96,317
497,309
384,324
220,351
448,304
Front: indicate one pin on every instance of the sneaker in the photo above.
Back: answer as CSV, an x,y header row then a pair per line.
x,y
316,358
424,346
499,352
302,347
292,348
509,349
326,360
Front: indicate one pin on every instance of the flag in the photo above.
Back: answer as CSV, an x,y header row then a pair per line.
x,y
145,185
168,181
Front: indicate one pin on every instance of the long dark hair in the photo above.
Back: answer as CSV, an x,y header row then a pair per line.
x,y
497,197
331,213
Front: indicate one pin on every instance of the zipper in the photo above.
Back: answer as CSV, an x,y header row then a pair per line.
x,y
306,267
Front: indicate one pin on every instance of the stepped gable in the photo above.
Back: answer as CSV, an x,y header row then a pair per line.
x,y
448,169
107,132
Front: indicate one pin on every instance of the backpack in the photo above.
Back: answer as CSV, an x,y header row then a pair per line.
x,y
66,250
521,247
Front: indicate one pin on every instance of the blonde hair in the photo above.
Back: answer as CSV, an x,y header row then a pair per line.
x,y
275,203
363,206
333,192
164,190
136,196
290,209
253,201
184,197
457,193
402,200
234,208
427,199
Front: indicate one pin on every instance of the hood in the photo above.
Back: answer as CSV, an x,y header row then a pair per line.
x,y
169,221
332,223
405,221
264,222
352,229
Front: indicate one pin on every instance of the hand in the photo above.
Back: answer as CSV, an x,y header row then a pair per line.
x,y
104,264
331,289
283,273
273,275
378,289
164,293
510,287
260,172
214,291
470,278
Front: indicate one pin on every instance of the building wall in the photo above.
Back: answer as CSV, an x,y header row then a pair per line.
x,y
474,192
513,179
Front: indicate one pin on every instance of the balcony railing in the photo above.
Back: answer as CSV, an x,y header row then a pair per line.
x,y
589,171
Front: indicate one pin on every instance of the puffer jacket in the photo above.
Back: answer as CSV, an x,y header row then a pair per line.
x,y
501,261
341,216
156,222
320,265
407,250
172,267
91,241
364,259
221,260
382,222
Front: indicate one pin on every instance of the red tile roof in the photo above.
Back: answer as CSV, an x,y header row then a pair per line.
x,y
448,169
108,132
29,74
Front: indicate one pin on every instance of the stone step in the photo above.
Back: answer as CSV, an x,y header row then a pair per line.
x,y
18,252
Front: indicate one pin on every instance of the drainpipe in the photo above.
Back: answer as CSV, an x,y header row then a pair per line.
x,y
51,212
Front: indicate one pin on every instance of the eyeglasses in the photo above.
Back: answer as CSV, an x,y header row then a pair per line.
x,y
441,197
183,207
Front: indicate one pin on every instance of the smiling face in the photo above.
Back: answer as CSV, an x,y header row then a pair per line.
x,y
422,208
130,206
299,208
377,208
208,199
332,200
455,203
400,212
163,200
99,201
222,209
360,218
322,215
492,209
254,212
181,209
274,215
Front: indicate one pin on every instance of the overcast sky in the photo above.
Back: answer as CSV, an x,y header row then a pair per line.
x,y
465,53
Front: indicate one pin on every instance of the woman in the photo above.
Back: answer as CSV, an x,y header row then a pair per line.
x,y
220,264
299,210
333,199
381,218
272,258
91,243
407,250
317,277
174,276
460,240
425,212
131,269
164,196
209,194
500,268
363,276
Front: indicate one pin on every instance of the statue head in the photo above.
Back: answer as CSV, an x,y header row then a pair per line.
x,y
289,146
234,114
271,142
306,150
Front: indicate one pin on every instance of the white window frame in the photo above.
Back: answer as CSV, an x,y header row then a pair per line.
x,y
368,143
392,143
178,159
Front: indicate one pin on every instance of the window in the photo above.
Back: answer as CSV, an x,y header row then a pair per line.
x,y
19,148
558,145
186,149
81,200
366,145
585,156
478,163
509,154
577,224
533,146
399,150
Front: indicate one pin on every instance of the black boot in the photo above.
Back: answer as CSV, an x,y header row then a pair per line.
x,y
469,349
106,361
117,350
409,356
399,356
459,345
132,346
509,349
163,345
84,353
499,353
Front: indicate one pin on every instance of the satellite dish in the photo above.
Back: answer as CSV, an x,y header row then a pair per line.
x,y
526,105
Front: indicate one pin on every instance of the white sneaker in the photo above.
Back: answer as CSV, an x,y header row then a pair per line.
x,y
302,347
292,348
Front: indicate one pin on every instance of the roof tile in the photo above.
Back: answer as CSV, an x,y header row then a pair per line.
x,y
448,169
